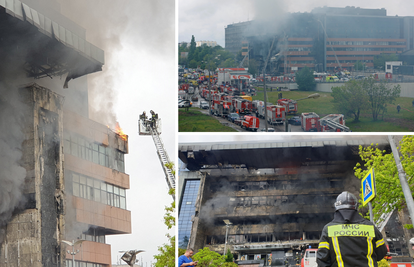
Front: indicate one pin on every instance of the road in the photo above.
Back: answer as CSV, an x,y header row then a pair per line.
x,y
278,128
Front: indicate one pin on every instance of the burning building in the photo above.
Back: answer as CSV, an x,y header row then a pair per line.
x,y
62,175
325,39
265,200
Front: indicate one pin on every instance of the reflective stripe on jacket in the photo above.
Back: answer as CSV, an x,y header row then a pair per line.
x,y
350,244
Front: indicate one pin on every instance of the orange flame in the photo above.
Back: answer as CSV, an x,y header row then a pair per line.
x,y
119,132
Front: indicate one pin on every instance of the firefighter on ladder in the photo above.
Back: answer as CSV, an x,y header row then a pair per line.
x,y
153,119
349,239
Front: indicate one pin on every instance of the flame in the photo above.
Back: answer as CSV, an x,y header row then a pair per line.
x,y
119,132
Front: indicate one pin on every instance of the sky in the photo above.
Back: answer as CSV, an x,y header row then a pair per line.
x,y
207,20
139,74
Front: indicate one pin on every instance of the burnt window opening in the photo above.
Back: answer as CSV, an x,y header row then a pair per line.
x,y
81,147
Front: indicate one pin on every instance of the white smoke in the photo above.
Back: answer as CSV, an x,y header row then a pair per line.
x,y
12,174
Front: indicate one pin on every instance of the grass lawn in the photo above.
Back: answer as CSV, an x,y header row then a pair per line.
x,y
195,121
392,122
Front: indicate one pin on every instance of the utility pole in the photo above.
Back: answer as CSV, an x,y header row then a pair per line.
x,y
264,83
403,180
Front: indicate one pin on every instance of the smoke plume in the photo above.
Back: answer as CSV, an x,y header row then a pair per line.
x,y
12,174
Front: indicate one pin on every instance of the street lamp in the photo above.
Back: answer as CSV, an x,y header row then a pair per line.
x,y
228,223
73,252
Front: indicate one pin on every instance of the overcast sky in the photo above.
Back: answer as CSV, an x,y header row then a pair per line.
x,y
139,74
206,20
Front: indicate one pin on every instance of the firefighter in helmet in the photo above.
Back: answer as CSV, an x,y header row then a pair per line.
x,y
153,119
349,239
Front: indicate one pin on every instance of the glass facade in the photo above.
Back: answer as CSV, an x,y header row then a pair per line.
x,y
83,148
187,210
69,263
97,190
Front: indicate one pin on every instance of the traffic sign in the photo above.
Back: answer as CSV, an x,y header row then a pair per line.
x,y
368,187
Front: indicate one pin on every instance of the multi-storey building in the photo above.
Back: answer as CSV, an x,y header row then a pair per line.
x,y
67,181
326,38
266,198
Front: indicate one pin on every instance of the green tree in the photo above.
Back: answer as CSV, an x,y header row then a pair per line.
x,y
305,79
379,61
208,258
359,66
192,49
193,64
166,257
229,63
229,256
350,99
380,93
253,67
389,191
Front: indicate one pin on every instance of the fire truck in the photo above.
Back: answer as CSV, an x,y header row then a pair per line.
x,y
242,106
333,123
330,123
255,104
290,105
224,108
250,123
309,260
276,114
309,121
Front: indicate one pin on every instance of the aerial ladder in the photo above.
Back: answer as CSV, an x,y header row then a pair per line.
x,y
152,126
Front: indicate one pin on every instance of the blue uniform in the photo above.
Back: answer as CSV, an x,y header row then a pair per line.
x,y
183,259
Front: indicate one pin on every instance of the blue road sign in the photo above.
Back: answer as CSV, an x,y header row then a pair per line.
x,y
368,187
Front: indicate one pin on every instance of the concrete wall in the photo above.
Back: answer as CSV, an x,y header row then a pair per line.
x,y
33,236
407,89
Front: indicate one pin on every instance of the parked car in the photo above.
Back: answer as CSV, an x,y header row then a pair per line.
x,y
232,117
239,120
184,103
294,120
204,104
268,130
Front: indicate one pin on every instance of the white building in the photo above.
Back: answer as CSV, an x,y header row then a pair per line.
x,y
208,43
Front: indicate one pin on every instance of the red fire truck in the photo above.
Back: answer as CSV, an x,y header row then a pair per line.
x,y
242,106
290,105
309,259
250,123
309,121
224,108
276,114
330,123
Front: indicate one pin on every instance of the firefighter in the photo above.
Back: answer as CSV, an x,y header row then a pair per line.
x,y
153,119
349,239
398,108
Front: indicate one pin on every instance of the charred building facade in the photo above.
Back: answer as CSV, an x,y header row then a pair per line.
x,y
325,39
268,200
62,175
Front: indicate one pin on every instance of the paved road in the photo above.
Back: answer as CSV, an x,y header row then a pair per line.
x,y
278,128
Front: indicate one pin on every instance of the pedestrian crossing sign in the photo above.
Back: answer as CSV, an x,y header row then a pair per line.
x,y
368,187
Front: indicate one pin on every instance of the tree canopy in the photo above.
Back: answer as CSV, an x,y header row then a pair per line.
x,y
166,258
305,79
380,93
205,56
388,188
350,99
208,258
379,61
355,96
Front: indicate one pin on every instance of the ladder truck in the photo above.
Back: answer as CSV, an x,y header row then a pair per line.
x,y
152,126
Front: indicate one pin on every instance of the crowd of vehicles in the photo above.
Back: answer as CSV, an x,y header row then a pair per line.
x,y
235,103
